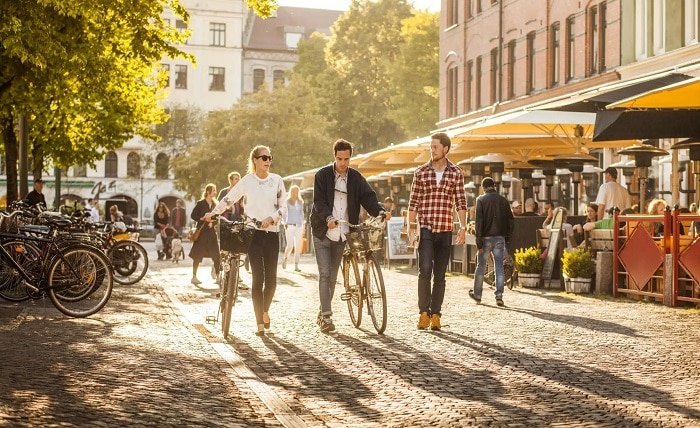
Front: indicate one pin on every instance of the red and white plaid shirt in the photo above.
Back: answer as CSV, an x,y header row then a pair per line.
x,y
435,203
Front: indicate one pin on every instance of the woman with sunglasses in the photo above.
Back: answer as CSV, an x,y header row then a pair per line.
x,y
266,202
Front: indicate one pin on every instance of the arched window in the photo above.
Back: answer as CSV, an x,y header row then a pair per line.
x,y
79,171
111,165
162,166
258,78
133,165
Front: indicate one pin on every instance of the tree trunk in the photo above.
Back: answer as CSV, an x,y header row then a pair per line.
x,y
10,142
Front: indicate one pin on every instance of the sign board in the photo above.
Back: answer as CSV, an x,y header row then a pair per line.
x,y
553,247
397,246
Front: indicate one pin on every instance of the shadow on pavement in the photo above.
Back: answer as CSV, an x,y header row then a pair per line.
x,y
593,382
578,321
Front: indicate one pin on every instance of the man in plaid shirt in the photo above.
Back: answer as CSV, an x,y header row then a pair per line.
x,y
438,188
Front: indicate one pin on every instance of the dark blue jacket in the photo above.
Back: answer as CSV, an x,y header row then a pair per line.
x,y
360,193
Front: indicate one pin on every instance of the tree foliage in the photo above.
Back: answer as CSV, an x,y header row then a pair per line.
x,y
288,120
262,8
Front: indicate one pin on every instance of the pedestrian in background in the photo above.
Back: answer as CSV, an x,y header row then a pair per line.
x,y
494,227
36,196
234,213
207,245
178,217
437,190
266,201
339,192
611,194
294,227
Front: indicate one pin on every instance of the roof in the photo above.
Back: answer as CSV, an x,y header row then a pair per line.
x,y
269,34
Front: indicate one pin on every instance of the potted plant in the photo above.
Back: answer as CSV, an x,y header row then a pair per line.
x,y
528,263
578,267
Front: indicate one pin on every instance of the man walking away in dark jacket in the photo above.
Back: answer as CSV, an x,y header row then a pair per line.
x,y
494,227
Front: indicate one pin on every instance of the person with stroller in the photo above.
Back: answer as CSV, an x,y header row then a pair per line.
x,y
161,221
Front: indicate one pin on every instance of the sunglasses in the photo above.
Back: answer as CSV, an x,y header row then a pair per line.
x,y
265,158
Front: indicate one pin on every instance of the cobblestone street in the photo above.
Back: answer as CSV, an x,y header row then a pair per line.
x,y
150,358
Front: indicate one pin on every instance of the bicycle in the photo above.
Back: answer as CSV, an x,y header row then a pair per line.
x,y
490,272
76,277
362,242
234,239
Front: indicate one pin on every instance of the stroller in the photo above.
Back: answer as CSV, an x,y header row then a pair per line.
x,y
165,249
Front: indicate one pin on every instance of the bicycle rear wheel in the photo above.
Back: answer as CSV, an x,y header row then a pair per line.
x,y
229,294
376,293
353,289
80,282
130,262
490,272
12,285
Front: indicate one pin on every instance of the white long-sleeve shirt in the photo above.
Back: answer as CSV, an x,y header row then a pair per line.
x,y
264,198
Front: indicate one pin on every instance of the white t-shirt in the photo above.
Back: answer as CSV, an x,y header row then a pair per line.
x,y
612,194
438,176
266,197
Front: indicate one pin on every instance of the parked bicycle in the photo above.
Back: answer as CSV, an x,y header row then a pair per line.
x,y
508,270
365,285
234,240
77,277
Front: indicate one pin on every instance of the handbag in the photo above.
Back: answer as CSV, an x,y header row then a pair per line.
x,y
193,234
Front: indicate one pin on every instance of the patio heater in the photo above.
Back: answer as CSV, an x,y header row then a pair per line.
x,y
564,178
574,163
496,163
642,161
507,180
537,178
549,170
525,171
693,146
475,170
589,173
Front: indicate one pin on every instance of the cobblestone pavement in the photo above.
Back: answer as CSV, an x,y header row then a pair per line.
x,y
546,359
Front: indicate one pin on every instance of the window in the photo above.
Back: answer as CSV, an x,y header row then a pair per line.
x,y
79,171
162,166
278,77
181,77
554,54
602,28
452,91
470,80
510,91
216,78
570,47
690,21
452,12
217,34
181,26
474,8
477,85
659,26
640,33
166,70
530,76
593,40
258,78
292,40
111,165
493,75
133,165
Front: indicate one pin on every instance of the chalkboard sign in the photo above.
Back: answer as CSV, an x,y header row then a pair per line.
x,y
553,246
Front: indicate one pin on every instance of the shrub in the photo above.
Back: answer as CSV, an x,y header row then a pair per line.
x,y
578,263
528,260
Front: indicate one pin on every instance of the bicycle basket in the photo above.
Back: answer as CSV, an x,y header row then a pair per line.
x,y
366,238
235,238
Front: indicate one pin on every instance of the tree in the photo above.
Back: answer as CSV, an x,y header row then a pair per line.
x,y
288,120
82,73
414,75
262,8
182,130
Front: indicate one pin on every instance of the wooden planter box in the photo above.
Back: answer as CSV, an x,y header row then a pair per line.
x,y
577,285
529,280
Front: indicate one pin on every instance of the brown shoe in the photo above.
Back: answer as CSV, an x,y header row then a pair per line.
x,y
423,321
435,322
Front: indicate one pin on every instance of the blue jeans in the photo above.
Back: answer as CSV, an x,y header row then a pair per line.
x,y
433,256
497,246
329,254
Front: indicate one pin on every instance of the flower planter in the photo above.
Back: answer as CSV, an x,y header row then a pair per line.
x,y
529,280
578,285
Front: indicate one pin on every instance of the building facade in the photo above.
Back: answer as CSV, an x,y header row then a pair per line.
x,y
270,45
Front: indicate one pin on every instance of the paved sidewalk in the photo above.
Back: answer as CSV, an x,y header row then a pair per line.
x,y
546,359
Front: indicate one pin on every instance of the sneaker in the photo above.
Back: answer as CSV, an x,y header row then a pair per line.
x,y
284,263
195,281
423,321
296,268
435,322
326,324
499,301
476,299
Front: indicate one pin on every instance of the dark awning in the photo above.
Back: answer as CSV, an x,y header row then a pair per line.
x,y
643,124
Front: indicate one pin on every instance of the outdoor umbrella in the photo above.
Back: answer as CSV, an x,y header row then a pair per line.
x,y
643,124
681,95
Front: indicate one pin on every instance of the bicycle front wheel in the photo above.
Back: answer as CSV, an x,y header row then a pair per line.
x,y
130,262
353,289
229,295
12,285
376,294
80,281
